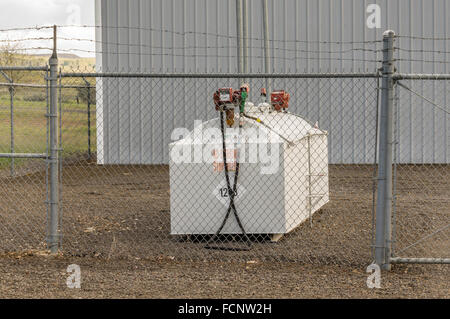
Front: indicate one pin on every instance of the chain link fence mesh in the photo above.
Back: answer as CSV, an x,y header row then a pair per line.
x,y
124,200
23,129
121,198
421,219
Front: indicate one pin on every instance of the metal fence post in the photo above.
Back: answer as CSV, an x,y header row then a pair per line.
x,y
239,37
245,36
267,67
89,118
53,239
88,96
11,92
384,199
11,105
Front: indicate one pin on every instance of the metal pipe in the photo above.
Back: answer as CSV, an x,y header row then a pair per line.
x,y
221,75
60,159
42,86
396,135
88,86
23,68
245,35
384,200
375,167
23,155
403,76
398,260
47,148
239,35
53,236
309,181
89,119
11,93
267,68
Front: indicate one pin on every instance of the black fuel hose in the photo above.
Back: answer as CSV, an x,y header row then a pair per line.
x,y
231,193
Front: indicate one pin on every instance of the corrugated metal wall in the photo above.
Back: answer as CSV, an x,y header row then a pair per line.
x,y
136,118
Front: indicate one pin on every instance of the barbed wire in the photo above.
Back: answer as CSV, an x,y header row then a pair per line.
x,y
278,48
194,55
421,51
413,37
35,28
196,47
218,47
36,48
184,33
402,58
421,60
26,39
167,49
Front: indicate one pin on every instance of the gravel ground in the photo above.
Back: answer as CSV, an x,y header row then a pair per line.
x,y
116,225
32,276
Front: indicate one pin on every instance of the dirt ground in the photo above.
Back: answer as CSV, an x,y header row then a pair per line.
x,y
32,276
116,226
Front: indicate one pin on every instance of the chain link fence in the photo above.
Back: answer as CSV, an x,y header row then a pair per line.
x,y
23,131
126,200
421,209
117,189
151,166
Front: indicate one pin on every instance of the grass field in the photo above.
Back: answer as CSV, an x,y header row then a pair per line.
x,y
30,127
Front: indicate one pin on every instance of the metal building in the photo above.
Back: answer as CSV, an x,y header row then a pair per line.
x,y
199,36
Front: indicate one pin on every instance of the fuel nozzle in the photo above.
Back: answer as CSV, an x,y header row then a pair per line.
x,y
230,117
224,102
244,90
226,99
280,100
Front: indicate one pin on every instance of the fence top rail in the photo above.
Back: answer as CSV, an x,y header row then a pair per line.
x,y
23,155
399,260
406,76
43,86
218,75
29,85
24,68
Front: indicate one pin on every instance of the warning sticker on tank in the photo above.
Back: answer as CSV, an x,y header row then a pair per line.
x,y
231,155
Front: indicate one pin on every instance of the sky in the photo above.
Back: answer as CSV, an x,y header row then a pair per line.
x,y
31,13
